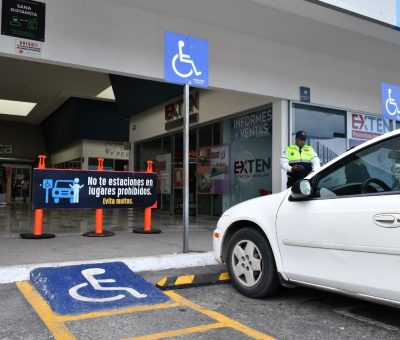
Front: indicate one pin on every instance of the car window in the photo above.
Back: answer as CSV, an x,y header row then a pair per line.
x,y
374,169
63,184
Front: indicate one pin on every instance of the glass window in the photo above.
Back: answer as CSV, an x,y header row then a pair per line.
x,y
120,165
204,204
216,134
205,136
147,151
325,128
372,170
167,144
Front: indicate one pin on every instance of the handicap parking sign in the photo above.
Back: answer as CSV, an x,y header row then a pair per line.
x,y
186,59
390,101
91,287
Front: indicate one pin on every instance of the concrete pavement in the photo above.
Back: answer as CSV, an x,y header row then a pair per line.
x,y
140,252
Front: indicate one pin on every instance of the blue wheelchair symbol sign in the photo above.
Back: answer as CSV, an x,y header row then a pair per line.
x,y
87,288
47,185
390,101
186,59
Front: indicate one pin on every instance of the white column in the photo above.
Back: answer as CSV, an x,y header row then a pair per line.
x,y
280,139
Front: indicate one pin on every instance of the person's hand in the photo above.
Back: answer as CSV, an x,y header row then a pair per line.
x,y
296,168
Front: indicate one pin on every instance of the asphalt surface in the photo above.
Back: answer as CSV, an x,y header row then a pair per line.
x,y
291,314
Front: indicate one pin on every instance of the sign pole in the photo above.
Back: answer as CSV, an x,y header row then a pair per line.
x,y
185,62
186,170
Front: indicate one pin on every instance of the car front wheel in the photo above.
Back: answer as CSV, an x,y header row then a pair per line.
x,y
251,264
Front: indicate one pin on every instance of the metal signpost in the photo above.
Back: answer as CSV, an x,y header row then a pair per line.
x,y
185,62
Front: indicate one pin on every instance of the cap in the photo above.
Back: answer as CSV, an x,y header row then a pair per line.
x,y
301,135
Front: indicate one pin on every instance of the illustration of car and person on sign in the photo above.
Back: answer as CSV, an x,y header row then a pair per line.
x,y
62,189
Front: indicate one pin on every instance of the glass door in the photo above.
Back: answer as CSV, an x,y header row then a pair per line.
x,y
21,188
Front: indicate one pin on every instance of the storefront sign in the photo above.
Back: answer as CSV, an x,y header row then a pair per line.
x,y
67,189
28,47
362,127
255,124
23,19
6,149
247,167
163,168
116,150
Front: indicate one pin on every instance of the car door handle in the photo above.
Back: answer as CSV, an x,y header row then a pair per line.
x,y
387,220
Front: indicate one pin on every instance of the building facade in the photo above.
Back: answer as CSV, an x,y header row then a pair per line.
x,y
263,55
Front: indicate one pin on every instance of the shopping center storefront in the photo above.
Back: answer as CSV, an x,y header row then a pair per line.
x,y
230,161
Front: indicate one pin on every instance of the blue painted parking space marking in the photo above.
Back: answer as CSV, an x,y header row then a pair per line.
x,y
93,287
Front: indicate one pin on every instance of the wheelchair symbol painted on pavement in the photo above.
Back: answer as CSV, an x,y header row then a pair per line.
x,y
186,59
89,275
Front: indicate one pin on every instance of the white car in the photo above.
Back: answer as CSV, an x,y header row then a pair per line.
x,y
338,229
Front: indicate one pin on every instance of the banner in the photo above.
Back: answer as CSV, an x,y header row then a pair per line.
x,y
163,168
67,189
362,127
213,170
250,168
204,183
178,178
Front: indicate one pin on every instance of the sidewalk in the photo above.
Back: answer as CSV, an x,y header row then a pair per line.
x,y
69,246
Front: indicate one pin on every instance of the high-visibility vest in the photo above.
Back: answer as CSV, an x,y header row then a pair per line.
x,y
301,157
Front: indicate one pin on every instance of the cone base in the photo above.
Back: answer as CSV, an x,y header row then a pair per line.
x,y
142,231
36,237
105,233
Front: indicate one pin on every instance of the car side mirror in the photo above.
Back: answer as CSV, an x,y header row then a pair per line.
x,y
301,190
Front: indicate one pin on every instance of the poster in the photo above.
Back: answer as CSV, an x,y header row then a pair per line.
x,y
363,126
219,161
178,178
163,168
251,154
204,183
213,170
68,189
23,19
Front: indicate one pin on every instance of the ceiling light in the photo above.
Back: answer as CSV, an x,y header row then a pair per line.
x,y
15,108
108,93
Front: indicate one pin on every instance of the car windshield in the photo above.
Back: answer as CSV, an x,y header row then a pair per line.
x,y
63,184
374,169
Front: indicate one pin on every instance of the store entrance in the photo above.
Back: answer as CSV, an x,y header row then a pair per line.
x,y
178,189
15,183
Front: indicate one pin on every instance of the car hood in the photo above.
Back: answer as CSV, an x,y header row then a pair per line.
x,y
254,209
